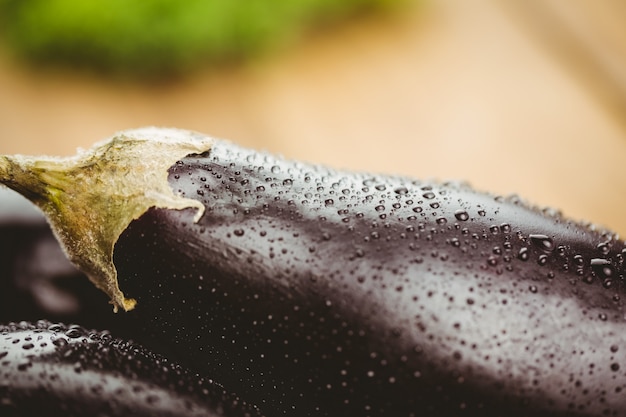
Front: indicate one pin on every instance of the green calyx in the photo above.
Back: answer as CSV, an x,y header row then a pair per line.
x,y
91,198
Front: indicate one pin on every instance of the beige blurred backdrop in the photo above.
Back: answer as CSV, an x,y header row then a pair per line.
x,y
520,97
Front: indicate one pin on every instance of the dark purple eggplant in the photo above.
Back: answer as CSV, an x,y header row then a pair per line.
x,y
315,292
57,370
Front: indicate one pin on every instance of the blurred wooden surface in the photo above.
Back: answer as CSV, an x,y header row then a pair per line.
x,y
449,90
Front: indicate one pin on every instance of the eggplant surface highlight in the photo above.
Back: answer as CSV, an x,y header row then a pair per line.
x,y
316,292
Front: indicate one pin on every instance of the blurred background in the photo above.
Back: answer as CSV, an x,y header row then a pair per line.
x,y
525,97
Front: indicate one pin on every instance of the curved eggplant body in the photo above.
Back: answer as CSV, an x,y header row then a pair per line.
x,y
56,370
313,292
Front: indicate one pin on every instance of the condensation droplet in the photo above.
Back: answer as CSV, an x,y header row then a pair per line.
x,y
523,254
604,248
55,327
542,242
73,333
461,215
602,267
59,342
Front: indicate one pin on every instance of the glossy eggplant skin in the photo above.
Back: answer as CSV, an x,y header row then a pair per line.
x,y
53,369
322,293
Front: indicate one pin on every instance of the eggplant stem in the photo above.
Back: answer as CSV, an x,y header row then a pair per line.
x,y
91,198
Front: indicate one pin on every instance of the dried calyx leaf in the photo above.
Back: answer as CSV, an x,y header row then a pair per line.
x,y
91,198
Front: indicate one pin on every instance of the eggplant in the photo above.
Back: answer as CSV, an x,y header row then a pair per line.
x,y
316,292
53,369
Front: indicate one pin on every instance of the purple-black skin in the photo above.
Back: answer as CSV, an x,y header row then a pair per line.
x,y
50,369
313,292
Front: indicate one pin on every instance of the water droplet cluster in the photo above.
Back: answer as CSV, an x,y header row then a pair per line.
x,y
318,292
55,369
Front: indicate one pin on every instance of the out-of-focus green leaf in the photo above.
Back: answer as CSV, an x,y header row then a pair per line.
x,y
156,38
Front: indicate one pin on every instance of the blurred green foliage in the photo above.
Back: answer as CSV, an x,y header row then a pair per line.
x,y
157,38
